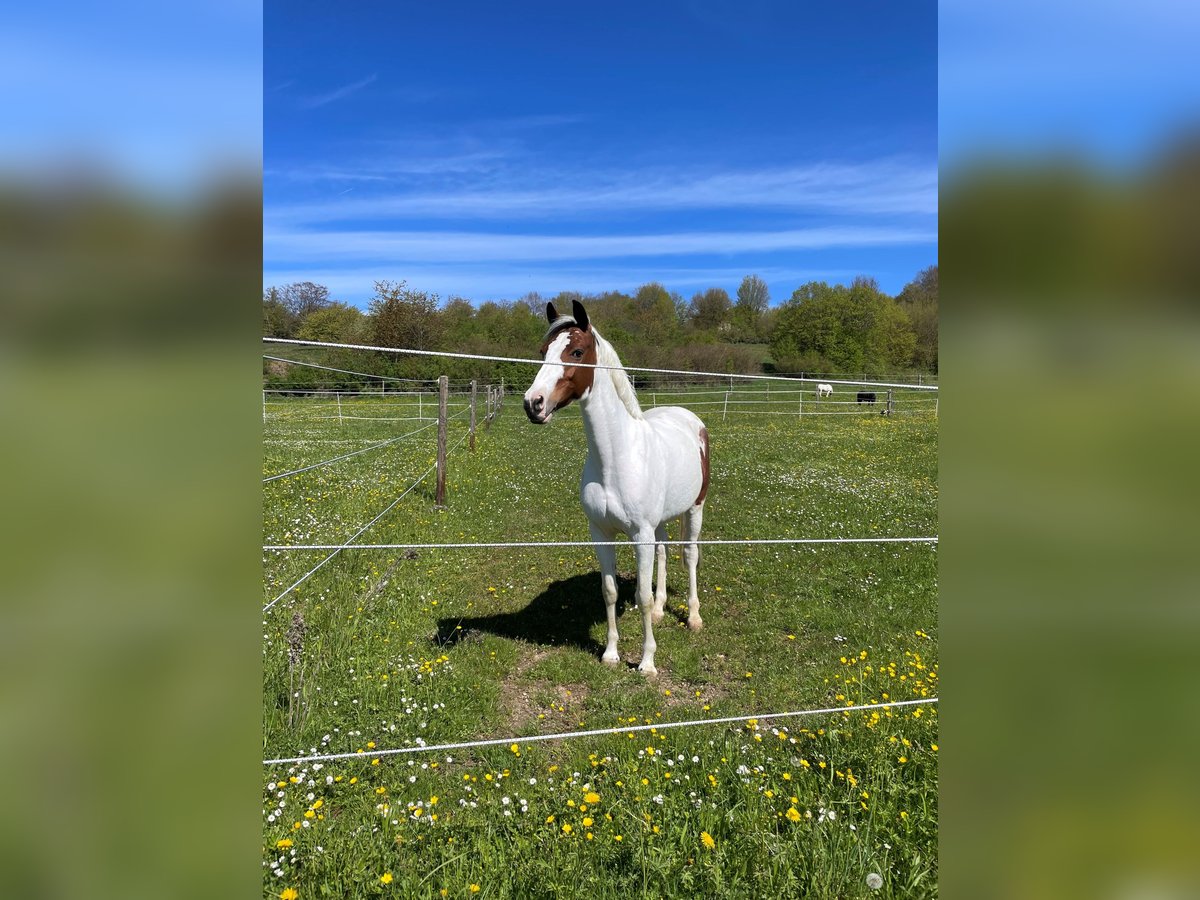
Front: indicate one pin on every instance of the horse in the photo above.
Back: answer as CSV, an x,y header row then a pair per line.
x,y
866,396
824,390
643,469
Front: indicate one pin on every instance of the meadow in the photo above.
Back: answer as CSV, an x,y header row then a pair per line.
x,y
388,649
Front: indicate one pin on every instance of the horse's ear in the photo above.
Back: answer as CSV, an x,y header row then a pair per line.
x,y
581,318
551,313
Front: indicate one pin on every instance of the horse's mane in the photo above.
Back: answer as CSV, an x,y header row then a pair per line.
x,y
606,356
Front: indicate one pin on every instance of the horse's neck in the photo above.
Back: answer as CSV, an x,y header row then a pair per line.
x,y
606,421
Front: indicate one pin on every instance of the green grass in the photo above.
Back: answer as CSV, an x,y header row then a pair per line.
x,y
457,645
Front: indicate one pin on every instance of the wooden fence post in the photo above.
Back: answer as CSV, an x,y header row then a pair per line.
x,y
339,402
443,390
474,388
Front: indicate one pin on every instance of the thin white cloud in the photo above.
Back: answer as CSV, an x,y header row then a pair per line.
x,y
340,93
392,168
887,187
471,247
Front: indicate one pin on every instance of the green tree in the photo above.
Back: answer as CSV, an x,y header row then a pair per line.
x,y
302,298
403,317
710,310
853,328
753,298
654,314
277,320
920,300
337,323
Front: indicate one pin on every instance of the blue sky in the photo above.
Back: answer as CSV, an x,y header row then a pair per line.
x,y
488,150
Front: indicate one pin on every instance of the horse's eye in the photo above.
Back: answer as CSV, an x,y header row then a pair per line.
x,y
577,354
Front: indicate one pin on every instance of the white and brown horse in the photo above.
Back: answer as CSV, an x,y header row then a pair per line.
x,y
642,469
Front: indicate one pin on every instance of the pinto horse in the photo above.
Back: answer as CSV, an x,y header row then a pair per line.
x,y
642,469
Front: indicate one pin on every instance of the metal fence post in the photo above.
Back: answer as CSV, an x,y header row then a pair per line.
x,y
474,387
443,390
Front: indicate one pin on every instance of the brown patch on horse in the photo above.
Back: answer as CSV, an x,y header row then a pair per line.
x,y
703,465
577,379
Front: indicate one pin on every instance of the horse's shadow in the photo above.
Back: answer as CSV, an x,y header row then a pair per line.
x,y
561,615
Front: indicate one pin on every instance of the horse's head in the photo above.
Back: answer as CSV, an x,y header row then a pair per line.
x,y
561,379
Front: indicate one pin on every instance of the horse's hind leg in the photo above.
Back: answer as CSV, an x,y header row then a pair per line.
x,y
692,520
660,589
607,555
645,596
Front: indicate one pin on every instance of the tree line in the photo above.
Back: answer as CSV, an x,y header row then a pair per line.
x,y
821,328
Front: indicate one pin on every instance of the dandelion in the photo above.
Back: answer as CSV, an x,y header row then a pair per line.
x,y
386,878
474,889
289,894
874,881
285,842
793,814
591,797
707,840
566,829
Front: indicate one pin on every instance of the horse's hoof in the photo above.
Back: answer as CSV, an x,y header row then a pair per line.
x,y
646,670
613,660
695,623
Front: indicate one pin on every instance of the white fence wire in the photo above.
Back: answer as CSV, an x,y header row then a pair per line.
x,y
407,351
594,732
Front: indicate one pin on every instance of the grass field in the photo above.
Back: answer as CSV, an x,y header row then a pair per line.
x,y
387,649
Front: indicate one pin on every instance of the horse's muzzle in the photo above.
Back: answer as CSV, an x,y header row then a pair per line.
x,y
534,408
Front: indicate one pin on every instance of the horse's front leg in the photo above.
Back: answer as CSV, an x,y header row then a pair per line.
x,y
607,555
645,551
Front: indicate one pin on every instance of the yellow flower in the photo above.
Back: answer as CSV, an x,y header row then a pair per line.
x,y
549,820
386,878
474,889
793,814
587,822
591,797
286,842
445,892
515,749
566,829
707,840
289,894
